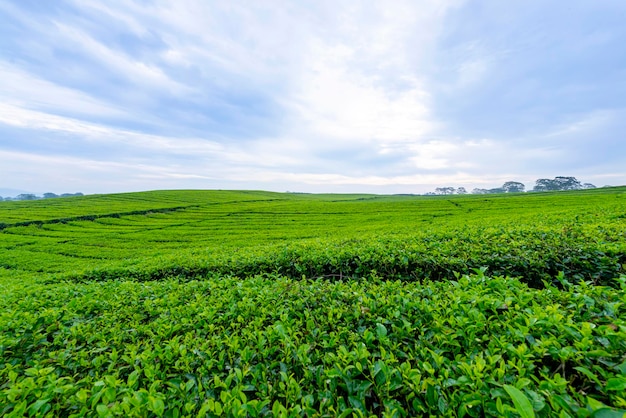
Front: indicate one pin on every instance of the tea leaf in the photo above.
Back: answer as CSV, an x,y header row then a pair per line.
x,y
521,402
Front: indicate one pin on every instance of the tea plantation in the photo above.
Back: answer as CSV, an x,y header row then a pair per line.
x,y
246,303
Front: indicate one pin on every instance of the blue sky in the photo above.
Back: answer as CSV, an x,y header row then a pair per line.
x,y
314,96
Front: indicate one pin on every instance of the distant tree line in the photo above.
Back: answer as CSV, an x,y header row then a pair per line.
x,y
30,196
561,183
541,185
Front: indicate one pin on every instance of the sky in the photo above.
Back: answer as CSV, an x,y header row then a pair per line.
x,y
310,96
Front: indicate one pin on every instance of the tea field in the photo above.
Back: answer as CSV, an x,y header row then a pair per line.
x,y
247,303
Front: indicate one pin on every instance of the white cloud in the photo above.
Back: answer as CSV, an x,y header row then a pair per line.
x,y
433,155
117,13
335,101
22,89
585,123
327,93
346,75
138,72
415,182
81,131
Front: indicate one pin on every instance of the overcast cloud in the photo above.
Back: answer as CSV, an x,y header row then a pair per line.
x,y
315,96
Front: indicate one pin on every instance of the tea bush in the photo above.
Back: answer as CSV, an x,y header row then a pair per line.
x,y
225,303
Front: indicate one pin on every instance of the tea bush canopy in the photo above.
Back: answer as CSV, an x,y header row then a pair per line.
x,y
249,303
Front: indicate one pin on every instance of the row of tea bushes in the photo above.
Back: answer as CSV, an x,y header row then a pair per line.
x,y
535,256
268,345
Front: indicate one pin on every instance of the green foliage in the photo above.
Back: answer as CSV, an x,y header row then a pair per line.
x,y
522,405
558,183
262,304
473,346
533,237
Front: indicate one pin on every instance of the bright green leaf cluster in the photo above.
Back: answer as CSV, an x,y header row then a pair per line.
x,y
471,347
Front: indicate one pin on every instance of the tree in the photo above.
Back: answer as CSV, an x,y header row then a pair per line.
x,y
588,186
567,183
444,190
543,185
558,183
513,187
480,191
461,190
26,196
50,195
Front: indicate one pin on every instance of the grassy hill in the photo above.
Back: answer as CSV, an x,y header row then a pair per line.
x,y
248,303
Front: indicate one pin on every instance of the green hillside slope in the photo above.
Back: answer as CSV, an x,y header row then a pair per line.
x,y
247,303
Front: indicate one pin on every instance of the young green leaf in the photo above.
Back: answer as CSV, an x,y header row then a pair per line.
x,y
616,383
521,402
